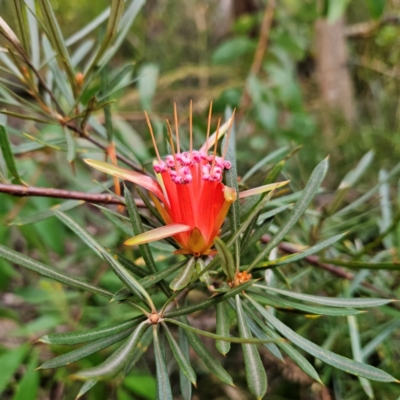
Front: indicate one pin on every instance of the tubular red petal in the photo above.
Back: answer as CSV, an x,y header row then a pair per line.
x,y
157,234
128,175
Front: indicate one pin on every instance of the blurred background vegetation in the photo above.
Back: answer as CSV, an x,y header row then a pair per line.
x,y
321,74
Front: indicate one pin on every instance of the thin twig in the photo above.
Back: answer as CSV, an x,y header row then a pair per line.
x,y
21,191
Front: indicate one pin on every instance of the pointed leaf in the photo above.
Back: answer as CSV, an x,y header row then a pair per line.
x,y
298,256
86,350
268,158
262,189
118,359
329,301
49,272
141,348
298,358
218,337
298,210
185,384
272,347
209,360
183,361
88,335
12,360
222,327
57,40
356,348
28,386
157,234
231,181
132,176
337,361
117,7
183,278
209,302
86,387
227,261
255,372
8,154
138,229
278,302
164,391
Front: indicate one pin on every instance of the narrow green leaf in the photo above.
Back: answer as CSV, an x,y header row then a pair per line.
x,y
262,228
209,302
218,337
79,231
77,36
71,145
29,384
277,302
141,348
255,372
116,361
183,361
227,261
354,204
298,256
22,26
298,210
148,281
8,154
164,391
128,279
395,266
49,272
337,361
117,7
231,181
34,34
185,384
12,360
88,335
125,276
130,265
298,358
86,350
268,158
138,229
209,360
380,338
222,327
183,278
86,387
351,178
329,301
57,77
124,28
272,347
356,348
57,40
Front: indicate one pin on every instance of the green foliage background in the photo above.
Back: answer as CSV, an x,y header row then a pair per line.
x,y
180,50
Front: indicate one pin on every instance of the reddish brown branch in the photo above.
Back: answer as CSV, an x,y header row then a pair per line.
x,y
21,191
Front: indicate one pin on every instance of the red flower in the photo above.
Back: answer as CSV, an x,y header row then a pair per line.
x,y
189,194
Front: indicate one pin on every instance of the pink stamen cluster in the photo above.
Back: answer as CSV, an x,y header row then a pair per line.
x,y
181,166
